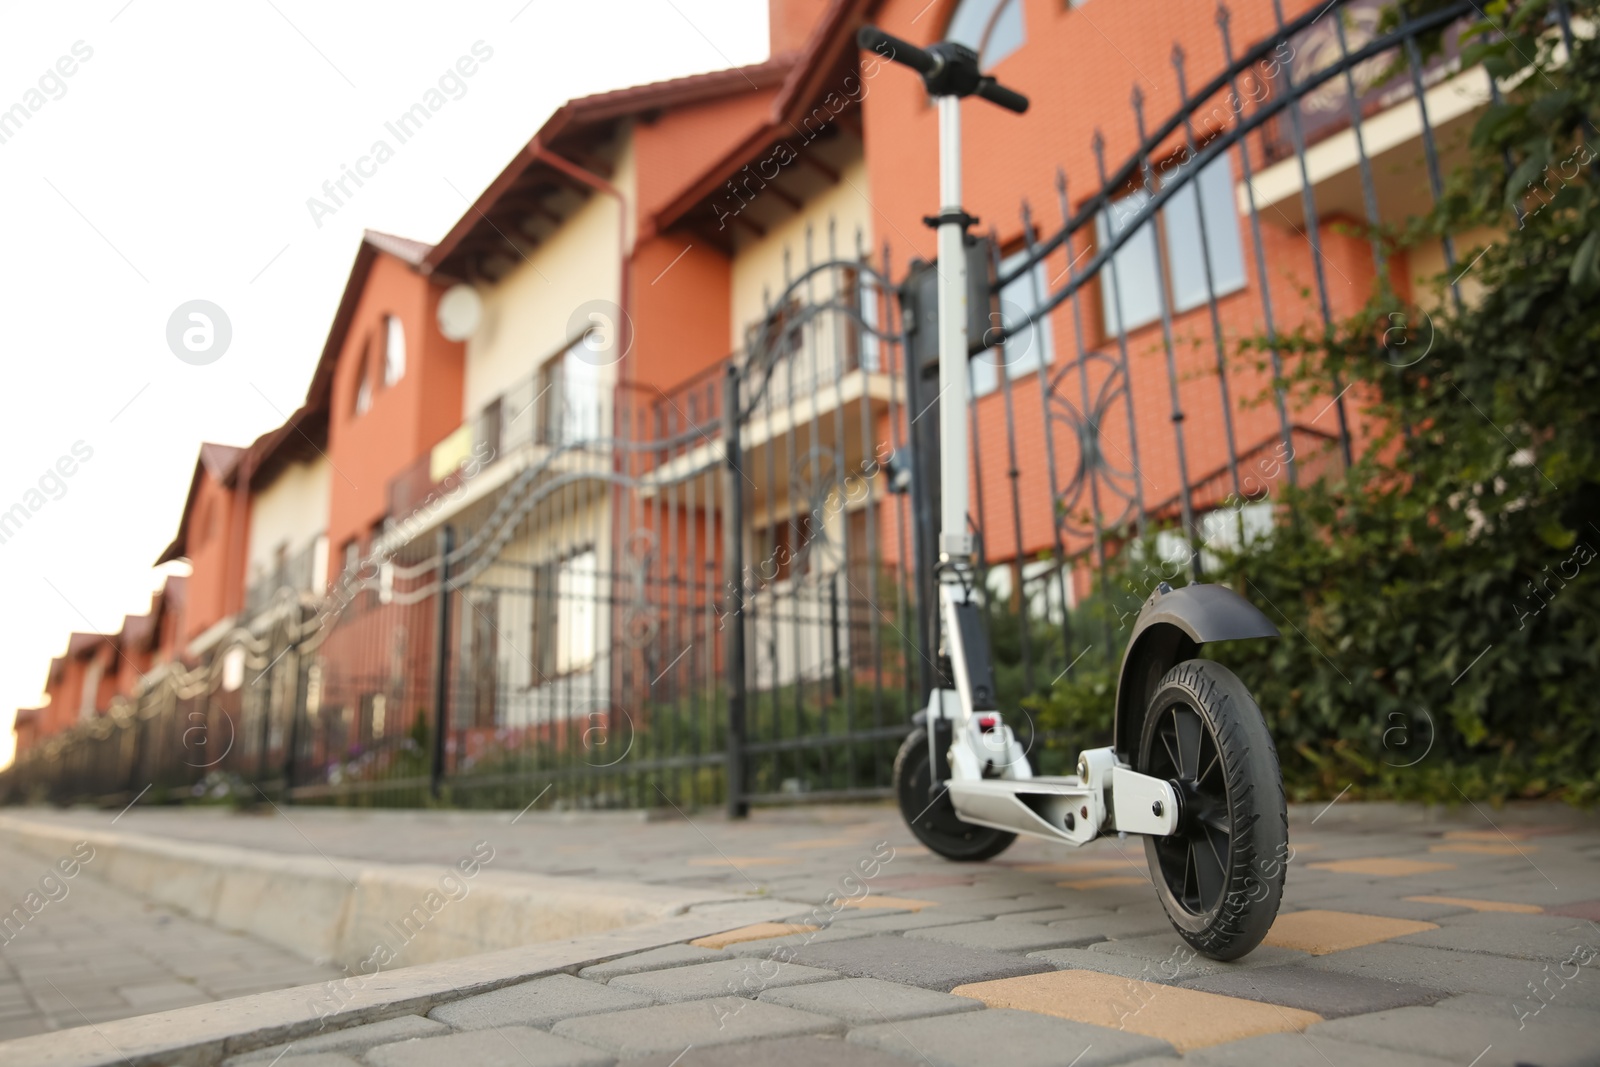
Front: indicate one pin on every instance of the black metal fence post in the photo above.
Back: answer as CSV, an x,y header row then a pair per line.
x,y
441,662
733,549
297,710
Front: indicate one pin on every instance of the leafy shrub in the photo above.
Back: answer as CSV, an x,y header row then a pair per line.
x,y
1441,633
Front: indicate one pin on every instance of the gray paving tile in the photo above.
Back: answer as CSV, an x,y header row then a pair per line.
x,y
1463,1038
1328,993
654,960
1569,1013
1112,926
1299,1050
1170,949
929,964
882,924
1437,968
22,1028
1050,915
319,1059
354,1039
670,1028
165,994
542,1003
781,1052
1136,967
864,1001
995,935
1014,906
721,978
507,1046
779,948
1528,937
1014,1038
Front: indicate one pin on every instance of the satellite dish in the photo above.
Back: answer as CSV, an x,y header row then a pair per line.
x,y
460,312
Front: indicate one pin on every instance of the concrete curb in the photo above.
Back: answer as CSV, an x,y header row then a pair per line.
x,y
203,1035
345,910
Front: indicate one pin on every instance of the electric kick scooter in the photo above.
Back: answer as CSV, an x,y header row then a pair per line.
x,y
1191,766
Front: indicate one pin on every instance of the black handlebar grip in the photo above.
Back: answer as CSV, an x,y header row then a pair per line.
x,y
873,39
996,93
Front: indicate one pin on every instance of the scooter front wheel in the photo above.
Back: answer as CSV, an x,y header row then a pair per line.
x,y
931,815
1220,876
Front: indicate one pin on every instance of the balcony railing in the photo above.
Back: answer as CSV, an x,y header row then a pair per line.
x,y
296,574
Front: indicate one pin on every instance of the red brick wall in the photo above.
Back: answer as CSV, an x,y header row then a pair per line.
x,y
1010,159
675,148
216,579
406,419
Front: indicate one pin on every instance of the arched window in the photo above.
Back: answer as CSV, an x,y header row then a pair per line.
x,y
992,27
394,350
364,382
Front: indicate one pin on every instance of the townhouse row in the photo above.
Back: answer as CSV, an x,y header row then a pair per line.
x,y
662,356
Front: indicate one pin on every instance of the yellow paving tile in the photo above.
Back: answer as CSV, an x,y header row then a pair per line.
x,y
1381,866
1104,883
756,932
818,842
1485,835
1473,848
1321,932
740,861
1185,1018
1082,866
1481,905
874,901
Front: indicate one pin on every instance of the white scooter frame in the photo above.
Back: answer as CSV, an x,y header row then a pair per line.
x,y
991,782
1215,828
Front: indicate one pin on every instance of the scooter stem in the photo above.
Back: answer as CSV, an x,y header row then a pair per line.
x,y
955,543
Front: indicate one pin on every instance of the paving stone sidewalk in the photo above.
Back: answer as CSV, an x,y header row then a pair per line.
x,y
1408,937
93,952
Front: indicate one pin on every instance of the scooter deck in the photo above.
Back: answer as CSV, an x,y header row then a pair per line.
x,y
1060,809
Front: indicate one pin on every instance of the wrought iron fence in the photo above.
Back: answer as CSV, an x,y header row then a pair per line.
x,y
721,593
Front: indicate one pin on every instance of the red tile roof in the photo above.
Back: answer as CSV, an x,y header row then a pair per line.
x,y
599,108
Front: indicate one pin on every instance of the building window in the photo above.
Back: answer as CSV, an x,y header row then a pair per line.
x,y
783,550
351,556
364,382
572,390
1244,528
992,28
861,294
1032,345
565,613
394,350
1208,196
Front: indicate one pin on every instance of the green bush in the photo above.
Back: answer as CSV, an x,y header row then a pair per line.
x,y
1441,635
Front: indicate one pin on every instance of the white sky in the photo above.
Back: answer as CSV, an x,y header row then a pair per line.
x,y
176,166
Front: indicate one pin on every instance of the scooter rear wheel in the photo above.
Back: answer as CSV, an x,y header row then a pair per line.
x,y
932,817
1220,876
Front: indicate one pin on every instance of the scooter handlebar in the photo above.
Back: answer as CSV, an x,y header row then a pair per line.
x,y
961,78
996,93
903,52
